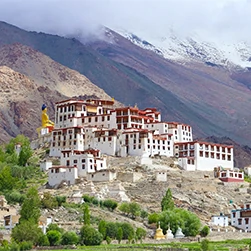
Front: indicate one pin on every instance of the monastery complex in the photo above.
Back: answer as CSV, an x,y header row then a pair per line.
x,y
85,131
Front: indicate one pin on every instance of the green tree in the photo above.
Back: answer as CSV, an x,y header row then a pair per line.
x,y
124,207
119,234
43,240
128,231
110,204
49,201
26,231
14,197
90,236
26,151
140,233
167,202
54,226
69,238
31,206
204,231
204,245
102,228
87,216
187,221
143,214
60,200
111,229
108,240
134,209
7,182
153,218
54,237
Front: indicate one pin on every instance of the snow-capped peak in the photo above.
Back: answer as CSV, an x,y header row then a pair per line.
x,y
193,48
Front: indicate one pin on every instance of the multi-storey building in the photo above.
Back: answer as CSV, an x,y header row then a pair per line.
x,y
196,155
241,218
97,124
76,164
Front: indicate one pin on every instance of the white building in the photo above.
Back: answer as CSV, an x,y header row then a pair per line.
x,y
219,220
204,156
59,174
241,218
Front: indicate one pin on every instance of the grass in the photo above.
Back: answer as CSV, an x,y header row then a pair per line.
x,y
191,246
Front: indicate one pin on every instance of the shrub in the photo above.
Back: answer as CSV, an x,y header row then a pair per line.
x,y
54,226
110,204
153,218
49,201
204,231
53,237
205,245
60,200
69,238
88,198
119,234
108,240
43,240
102,228
90,236
25,245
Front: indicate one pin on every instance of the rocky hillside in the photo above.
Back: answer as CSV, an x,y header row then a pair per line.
x,y
33,80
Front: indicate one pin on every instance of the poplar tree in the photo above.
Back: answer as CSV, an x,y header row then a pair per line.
x,y
167,202
87,217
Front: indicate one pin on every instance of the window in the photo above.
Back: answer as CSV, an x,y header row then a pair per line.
x,y
96,119
83,160
83,166
89,120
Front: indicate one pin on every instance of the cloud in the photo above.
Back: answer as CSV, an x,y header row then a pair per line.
x,y
214,19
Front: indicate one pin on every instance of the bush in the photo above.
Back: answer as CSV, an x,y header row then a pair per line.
x,y
54,226
108,240
110,204
53,237
60,200
88,198
205,245
204,231
15,197
69,238
25,245
90,236
14,247
153,218
43,241
49,201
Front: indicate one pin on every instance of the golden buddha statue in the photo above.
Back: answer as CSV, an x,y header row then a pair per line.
x,y
159,234
46,123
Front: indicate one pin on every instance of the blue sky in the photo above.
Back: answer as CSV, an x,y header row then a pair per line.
x,y
215,19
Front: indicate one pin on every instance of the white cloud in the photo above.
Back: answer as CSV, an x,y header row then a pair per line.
x,y
214,19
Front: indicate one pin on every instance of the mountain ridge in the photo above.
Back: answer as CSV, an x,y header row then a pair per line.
x,y
204,96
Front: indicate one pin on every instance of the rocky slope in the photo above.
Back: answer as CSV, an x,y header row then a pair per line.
x,y
36,79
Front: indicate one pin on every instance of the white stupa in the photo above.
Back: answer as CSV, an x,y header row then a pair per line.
x,y
179,233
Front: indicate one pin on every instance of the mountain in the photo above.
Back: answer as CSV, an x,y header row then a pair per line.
x,y
194,49
213,99
28,79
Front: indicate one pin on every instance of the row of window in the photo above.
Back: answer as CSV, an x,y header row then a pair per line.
x,y
212,155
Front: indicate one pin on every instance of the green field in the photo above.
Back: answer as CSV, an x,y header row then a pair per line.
x,y
228,245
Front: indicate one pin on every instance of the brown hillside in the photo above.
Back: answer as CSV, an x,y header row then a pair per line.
x,y
34,80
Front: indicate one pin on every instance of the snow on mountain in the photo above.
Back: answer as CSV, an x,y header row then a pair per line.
x,y
189,49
